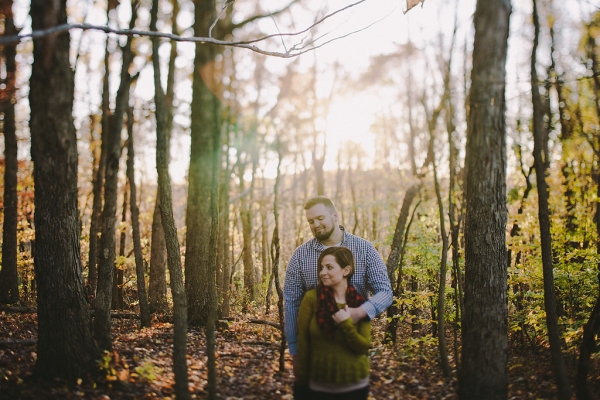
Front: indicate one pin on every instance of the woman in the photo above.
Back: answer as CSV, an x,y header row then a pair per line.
x,y
332,351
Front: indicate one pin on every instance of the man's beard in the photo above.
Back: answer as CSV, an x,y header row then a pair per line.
x,y
324,235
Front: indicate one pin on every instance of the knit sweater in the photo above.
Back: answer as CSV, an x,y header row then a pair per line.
x,y
342,360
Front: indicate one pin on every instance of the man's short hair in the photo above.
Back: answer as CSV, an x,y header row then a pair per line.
x,y
310,203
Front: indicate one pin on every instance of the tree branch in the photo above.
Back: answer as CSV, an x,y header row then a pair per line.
x,y
294,51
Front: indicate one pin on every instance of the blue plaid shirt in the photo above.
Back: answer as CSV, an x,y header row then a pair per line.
x,y
301,276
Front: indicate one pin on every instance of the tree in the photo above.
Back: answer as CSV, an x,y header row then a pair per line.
x,y
484,354
9,282
158,256
65,347
592,326
540,162
206,110
168,221
107,241
135,227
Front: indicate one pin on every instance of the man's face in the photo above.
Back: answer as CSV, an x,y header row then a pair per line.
x,y
322,222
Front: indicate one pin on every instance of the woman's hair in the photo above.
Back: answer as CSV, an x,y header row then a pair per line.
x,y
343,256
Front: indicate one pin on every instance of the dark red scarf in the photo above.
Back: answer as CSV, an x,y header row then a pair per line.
x,y
327,306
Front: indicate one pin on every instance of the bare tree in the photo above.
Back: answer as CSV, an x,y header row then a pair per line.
x,y
107,241
135,227
9,282
168,221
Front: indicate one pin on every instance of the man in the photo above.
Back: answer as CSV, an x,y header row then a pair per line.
x,y
301,274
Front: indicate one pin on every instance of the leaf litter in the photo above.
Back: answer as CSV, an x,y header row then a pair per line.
x,y
140,366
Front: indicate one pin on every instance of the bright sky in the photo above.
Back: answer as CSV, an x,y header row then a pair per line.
x,y
350,115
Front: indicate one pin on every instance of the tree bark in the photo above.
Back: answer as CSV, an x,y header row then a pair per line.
x,y
206,107
118,278
98,178
107,240
66,347
592,327
443,268
135,226
484,353
9,282
558,363
158,256
172,242
275,257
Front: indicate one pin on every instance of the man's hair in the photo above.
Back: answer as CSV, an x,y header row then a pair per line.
x,y
343,256
310,203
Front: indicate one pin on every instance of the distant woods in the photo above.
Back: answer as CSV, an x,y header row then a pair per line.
x,y
478,184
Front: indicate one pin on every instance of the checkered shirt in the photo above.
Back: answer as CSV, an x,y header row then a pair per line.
x,y
370,276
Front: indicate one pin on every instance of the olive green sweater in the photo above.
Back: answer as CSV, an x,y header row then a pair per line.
x,y
341,360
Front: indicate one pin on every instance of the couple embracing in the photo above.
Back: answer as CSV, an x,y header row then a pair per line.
x,y
328,309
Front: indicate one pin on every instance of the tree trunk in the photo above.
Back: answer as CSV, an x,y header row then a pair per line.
x,y
135,226
9,282
98,178
65,346
247,259
118,278
275,256
484,353
212,263
206,107
443,268
157,288
224,261
592,327
158,255
107,240
168,221
397,241
393,311
558,363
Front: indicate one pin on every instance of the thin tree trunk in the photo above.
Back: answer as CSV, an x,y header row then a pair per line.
x,y
558,364
393,311
158,256
118,278
592,327
65,346
443,267
107,241
454,228
224,243
135,225
157,287
98,177
275,256
484,372
212,262
9,281
168,221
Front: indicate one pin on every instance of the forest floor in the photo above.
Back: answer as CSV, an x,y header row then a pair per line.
x,y
248,361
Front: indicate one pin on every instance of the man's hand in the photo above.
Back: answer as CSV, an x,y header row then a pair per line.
x,y
341,315
357,314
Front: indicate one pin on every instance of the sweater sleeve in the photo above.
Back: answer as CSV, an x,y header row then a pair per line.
x,y
358,338
305,313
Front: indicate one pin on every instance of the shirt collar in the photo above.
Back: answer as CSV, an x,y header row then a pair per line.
x,y
320,246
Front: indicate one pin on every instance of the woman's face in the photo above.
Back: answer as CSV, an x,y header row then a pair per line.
x,y
331,272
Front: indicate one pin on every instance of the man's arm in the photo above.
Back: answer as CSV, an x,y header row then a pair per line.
x,y
379,283
293,292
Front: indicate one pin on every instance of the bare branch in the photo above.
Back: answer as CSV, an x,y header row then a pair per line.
x,y
294,51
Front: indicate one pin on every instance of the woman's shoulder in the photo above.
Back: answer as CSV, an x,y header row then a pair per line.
x,y
311,294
